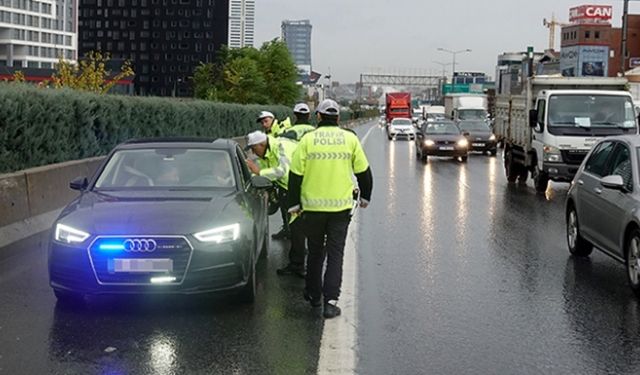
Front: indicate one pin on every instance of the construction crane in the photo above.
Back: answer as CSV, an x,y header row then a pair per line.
x,y
551,25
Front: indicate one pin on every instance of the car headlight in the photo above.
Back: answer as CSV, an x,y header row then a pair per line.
x,y
65,233
551,154
219,235
429,143
463,143
493,137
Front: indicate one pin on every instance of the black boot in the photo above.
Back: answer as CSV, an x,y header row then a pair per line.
x,y
331,309
283,234
292,269
315,302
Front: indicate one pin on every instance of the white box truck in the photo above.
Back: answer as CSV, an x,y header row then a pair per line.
x,y
552,124
466,107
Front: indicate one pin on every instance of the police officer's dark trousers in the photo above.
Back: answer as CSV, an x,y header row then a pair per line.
x,y
282,198
298,249
326,234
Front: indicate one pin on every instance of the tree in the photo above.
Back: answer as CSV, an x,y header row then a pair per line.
x,y
90,74
248,75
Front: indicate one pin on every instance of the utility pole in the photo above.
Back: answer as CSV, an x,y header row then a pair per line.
x,y
453,53
623,49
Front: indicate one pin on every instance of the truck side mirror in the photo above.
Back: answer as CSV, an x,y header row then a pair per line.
x,y
533,118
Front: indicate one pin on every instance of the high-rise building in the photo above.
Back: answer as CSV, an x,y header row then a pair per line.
x,y
165,39
35,34
297,36
242,15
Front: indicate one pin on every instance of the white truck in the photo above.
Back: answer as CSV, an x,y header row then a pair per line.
x,y
552,124
466,107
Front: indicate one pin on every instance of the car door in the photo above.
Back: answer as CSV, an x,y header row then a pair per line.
x,y
612,205
589,190
256,200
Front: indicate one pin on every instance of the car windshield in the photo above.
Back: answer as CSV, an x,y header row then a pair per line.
x,y
474,126
591,111
167,168
472,114
401,121
441,128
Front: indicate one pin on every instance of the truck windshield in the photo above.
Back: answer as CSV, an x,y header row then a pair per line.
x,y
472,114
597,111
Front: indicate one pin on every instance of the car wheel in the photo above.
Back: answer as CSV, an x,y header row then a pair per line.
x,y
633,261
425,158
540,180
493,152
578,246
69,298
464,159
248,292
390,137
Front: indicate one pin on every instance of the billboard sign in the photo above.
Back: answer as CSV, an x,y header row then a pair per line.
x,y
569,61
591,14
584,61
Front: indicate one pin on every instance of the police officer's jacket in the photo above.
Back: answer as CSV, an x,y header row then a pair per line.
x,y
297,131
277,160
279,127
321,176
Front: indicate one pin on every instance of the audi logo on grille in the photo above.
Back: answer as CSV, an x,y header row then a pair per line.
x,y
140,245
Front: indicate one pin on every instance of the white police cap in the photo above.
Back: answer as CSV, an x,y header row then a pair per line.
x,y
301,108
265,114
328,107
255,138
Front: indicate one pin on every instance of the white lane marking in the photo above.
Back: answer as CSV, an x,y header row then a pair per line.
x,y
338,344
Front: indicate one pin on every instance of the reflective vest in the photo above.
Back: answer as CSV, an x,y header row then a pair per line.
x,y
277,128
297,131
277,160
327,159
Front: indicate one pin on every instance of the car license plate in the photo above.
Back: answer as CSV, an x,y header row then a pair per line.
x,y
446,148
140,265
477,144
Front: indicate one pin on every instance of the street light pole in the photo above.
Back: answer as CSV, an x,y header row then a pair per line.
x,y
453,53
443,66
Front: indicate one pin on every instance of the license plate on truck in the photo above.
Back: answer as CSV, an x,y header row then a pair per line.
x,y
140,265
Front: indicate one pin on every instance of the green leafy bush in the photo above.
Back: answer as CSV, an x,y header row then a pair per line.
x,y
44,126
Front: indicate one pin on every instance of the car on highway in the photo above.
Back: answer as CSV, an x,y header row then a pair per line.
x,y
603,205
441,138
172,215
480,136
401,127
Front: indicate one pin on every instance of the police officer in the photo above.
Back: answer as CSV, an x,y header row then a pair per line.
x,y
270,125
274,158
302,124
321,188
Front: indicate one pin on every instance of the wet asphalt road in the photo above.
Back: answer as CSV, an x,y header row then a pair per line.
x,y
458,273
473,276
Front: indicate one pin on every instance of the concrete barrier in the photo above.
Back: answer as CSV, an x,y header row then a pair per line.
x,y
36,191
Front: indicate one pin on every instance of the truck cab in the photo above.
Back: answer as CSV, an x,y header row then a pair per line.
x,y
567,123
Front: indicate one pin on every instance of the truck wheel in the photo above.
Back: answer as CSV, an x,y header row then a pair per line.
x,y
540,180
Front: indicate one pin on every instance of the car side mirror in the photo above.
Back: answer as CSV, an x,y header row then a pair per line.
x,y
79,183
533,118
613,182
261,182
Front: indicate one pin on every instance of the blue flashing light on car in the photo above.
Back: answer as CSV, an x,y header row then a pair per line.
x,y
111,246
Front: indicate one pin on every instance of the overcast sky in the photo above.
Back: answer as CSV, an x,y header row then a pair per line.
x,y
350,37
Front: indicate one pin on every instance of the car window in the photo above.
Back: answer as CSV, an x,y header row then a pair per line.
x,y
401,122
598,159
620,165
441,128
167,168
244,170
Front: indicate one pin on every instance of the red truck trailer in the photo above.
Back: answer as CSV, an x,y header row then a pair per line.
x,y
398,105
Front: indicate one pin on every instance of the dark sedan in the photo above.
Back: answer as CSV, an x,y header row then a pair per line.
x,y
442,138
176,216
480,136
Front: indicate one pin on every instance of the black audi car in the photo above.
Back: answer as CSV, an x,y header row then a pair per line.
x,y
480,136
176,216
441,138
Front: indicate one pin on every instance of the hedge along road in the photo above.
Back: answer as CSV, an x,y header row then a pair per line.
x,y
279,334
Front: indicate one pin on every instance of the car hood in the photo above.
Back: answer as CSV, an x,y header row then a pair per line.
x,y
182,212
479,135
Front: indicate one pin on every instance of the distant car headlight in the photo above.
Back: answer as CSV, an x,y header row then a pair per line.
x,y
65,233
429,143
463,143
493,137
219,235
551,154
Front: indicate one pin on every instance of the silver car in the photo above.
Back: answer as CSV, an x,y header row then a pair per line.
x,y
602,208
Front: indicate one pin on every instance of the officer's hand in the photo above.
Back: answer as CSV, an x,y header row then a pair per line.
x,y
364,203
253,167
